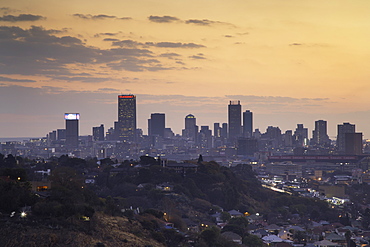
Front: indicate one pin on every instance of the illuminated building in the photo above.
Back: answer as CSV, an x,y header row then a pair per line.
x,y
301,136
72,129
125,128
191,128
235,120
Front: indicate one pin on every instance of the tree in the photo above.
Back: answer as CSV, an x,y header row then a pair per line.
x,y
210,235
252,241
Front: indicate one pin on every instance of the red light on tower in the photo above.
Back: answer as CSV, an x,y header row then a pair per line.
x,y
126,96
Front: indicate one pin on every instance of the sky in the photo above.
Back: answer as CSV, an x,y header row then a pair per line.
x,y
288,61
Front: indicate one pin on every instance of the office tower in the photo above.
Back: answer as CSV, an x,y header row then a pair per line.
x,y
126,127
98,133
216,130
247,123
156,124
319,134
301,136
353,143
109,135
235,120
205,137
224,130
61,134
72,129
52,136
191,128
274,135
342,130
288,138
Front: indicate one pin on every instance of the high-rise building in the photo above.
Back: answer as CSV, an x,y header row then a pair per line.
x,y
205,137
319,134
98,133
191,128
125,129
72,129
301,136
156,124
342,130
61,134
224,130
235,120
247,123
353,143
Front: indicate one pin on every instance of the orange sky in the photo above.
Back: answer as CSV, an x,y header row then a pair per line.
x,y
288,61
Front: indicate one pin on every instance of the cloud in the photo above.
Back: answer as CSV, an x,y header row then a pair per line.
x,y
137,64
100,17
198,56
174,45
22,17
170,55
38,51
206,22
163,19
126,43
132,43
228,36
81,79
110,39
108,89
2,78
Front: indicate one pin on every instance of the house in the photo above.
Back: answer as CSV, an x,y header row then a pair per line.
x,y
232,237
164,187
286,235
233,213
326,243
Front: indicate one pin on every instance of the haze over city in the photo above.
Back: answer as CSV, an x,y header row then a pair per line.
x,y
287,61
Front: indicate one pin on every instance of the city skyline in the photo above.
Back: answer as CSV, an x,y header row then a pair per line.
x,y
287,62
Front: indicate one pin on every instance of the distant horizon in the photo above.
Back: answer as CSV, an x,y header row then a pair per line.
x,y
289,62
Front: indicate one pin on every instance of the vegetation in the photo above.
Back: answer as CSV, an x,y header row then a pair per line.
x,y
132,196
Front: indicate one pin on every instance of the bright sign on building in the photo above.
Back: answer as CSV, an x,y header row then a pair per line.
x,y
71,116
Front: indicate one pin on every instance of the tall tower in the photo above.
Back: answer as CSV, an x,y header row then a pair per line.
x,y
125,128
191,128
341,137
319,134
98,133
247,123
72,129
235,119
156,124
300,135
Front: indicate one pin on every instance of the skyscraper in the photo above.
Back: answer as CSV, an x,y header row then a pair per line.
x,y
247,123
98,133
191,128
235,119
341,136
126,127
353,143
319,134
72,129
301,135
156,124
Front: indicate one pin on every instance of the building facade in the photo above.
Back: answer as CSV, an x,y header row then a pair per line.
x,y
235,120
125,129
72,129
